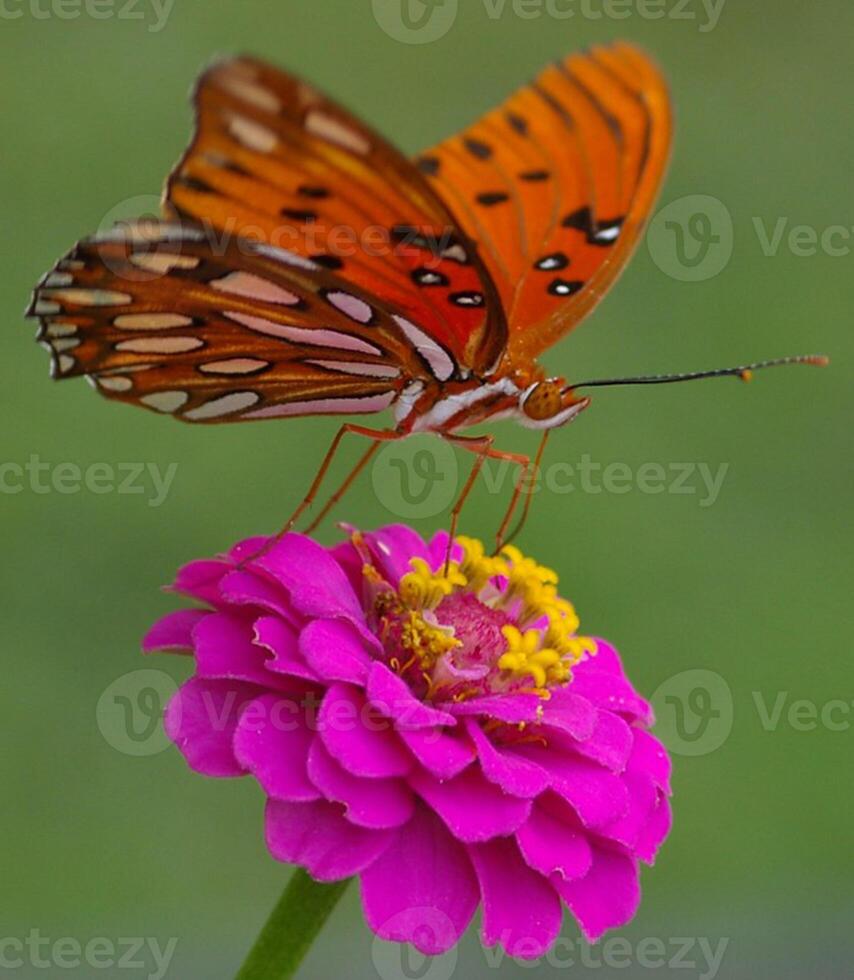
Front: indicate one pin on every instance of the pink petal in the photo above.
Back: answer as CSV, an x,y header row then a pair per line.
x,y
651,757
605,658
335,651
317,837
316,584
521,910
272,742
280,639
364,744
610,744
441,754
571,713
608,690
373,803
438,548
392,547
201,719
225,650
606,897
511,708
473,808
393,698
655,831
422,889
243,588
515,775
174,632
554,846
643,797
596,795
200,580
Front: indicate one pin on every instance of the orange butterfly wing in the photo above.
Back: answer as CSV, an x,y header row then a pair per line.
x,y
275,160
155,317
555,186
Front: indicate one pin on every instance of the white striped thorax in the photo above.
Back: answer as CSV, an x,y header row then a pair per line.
x,y
545,404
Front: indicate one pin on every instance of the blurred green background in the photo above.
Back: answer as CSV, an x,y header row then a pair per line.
x,y
754,587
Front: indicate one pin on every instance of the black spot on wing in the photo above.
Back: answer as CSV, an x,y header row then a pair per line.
x,y
467,298
552,263
297,214
309,190
491,198
517,123
534,176
480,151
328,261
428,165
429,277
565,287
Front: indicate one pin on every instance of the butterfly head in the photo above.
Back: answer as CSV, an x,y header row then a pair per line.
x,y
548,404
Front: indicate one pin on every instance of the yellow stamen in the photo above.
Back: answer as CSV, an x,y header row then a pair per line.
x,y
422,588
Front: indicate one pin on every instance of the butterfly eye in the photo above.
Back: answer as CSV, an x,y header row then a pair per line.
x,y
542,401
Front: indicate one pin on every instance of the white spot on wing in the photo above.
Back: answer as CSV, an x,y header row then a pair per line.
x,y
160,345
234,365
436,356
114,382
58,329
282,255
90,297
163,262
326,406
224,405
252,134
359,367
313,336
151,321
256,95
165,401
321,124
247,284
350,305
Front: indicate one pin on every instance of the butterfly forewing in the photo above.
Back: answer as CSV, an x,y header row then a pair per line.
x,y
275,160
157,317
556,184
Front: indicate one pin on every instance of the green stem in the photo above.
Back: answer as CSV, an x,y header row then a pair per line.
x,y
287,935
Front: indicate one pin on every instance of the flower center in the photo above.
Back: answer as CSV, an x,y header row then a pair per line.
x,y
483,625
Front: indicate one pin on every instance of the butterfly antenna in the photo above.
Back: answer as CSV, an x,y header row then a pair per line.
x,y
744,372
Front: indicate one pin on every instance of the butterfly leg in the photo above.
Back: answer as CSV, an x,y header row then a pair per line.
x,y
501,540
480,446
483,448
376,435
348,482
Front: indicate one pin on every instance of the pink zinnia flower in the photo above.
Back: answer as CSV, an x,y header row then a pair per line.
x,y
443,733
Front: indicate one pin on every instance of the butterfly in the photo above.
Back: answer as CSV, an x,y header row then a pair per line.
x,y
304,266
